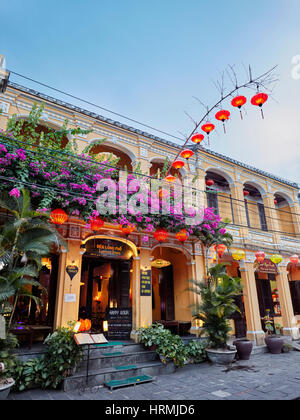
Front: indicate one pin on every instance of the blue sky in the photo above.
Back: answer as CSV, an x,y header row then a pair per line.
x,y
147,59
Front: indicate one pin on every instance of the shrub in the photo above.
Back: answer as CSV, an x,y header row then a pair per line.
x,y
196,351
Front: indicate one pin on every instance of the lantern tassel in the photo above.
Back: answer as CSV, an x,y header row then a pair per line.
x,y
241,114
262,113
224,128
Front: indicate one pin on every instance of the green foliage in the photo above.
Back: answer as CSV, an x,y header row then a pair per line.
x,y
196,351
217,304
61,357
25,238
153,335
7,355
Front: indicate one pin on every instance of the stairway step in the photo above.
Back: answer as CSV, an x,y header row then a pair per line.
x,y
134,380
109,344
116,353
126,367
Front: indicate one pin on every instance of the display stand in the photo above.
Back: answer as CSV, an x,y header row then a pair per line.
x,y
85,339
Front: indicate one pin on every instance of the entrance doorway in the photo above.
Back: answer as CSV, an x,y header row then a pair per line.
x,y
163,294
106,286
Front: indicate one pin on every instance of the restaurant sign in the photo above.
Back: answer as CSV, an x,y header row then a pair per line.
x,y
267,266
107,248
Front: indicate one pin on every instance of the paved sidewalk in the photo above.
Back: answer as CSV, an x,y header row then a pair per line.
x,y
263,377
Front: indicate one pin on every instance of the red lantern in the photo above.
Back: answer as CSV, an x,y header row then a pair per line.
x,y
85,325
182,236
197,138
220,249
258,100
275,202
127,229
58,217
208,128
178,164
223,116
170,178
260,256
96,223
187,154
294,259
209,182
238,102
161,235
246,193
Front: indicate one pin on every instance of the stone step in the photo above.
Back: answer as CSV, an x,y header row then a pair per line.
x,y
99,360
99,377
135,380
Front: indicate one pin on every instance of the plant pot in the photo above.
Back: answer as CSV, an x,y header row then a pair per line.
x,y
221,356
5,389
165,360
274,344
244,348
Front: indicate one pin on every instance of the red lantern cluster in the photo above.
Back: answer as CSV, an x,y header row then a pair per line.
x,y
58,217
260,256
182,236
96,224
220,249
161,235
127,229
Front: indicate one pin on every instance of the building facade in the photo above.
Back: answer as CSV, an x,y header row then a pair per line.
x,y
263,210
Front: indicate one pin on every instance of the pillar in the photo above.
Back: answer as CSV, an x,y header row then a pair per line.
x,y
288,318
253,321
271,216
238,206
68,291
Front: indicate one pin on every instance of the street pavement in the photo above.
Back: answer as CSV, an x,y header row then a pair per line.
x,y
264,377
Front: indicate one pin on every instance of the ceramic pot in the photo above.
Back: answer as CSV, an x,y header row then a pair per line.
x,y
274,344
244,348
221,357
5,390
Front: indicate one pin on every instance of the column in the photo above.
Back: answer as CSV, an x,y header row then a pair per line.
x,y
68,291
254,328
295,210
238,205
271,216
288,318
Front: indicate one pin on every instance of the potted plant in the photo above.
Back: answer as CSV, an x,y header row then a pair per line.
x,y
196,351
152,336
6,383
7,364
172,349
217,304
273,341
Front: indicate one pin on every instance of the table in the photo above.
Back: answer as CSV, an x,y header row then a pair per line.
x,y
30,331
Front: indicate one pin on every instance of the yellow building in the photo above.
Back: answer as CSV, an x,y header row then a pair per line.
x,y
264,213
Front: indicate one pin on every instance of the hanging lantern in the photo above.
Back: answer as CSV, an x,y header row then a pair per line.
x,y
275,202
170,178
260,256
208,128
238,102
209,182
223,116
294,259
163,194
187,154
220,249
161,235
246,193
58,217
182,236
96,223
258,100
238,255
276,259
85,325
127,228
178,164
197,138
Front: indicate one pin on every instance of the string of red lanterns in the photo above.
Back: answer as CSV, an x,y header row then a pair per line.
x,y
223,115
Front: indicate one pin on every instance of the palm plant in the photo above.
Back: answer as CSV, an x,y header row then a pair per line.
x,y
25,238
217,304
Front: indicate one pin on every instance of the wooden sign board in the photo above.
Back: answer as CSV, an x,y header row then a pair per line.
x,y
72,270
267,267
146,283
119,323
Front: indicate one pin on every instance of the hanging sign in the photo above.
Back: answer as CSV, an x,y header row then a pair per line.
x,y
267,266
72,270
106,248
146,283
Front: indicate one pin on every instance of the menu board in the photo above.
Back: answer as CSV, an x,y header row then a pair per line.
x,y
146,283
119,323
85,338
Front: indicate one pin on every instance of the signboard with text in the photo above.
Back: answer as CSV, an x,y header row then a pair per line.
x,y
146,283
